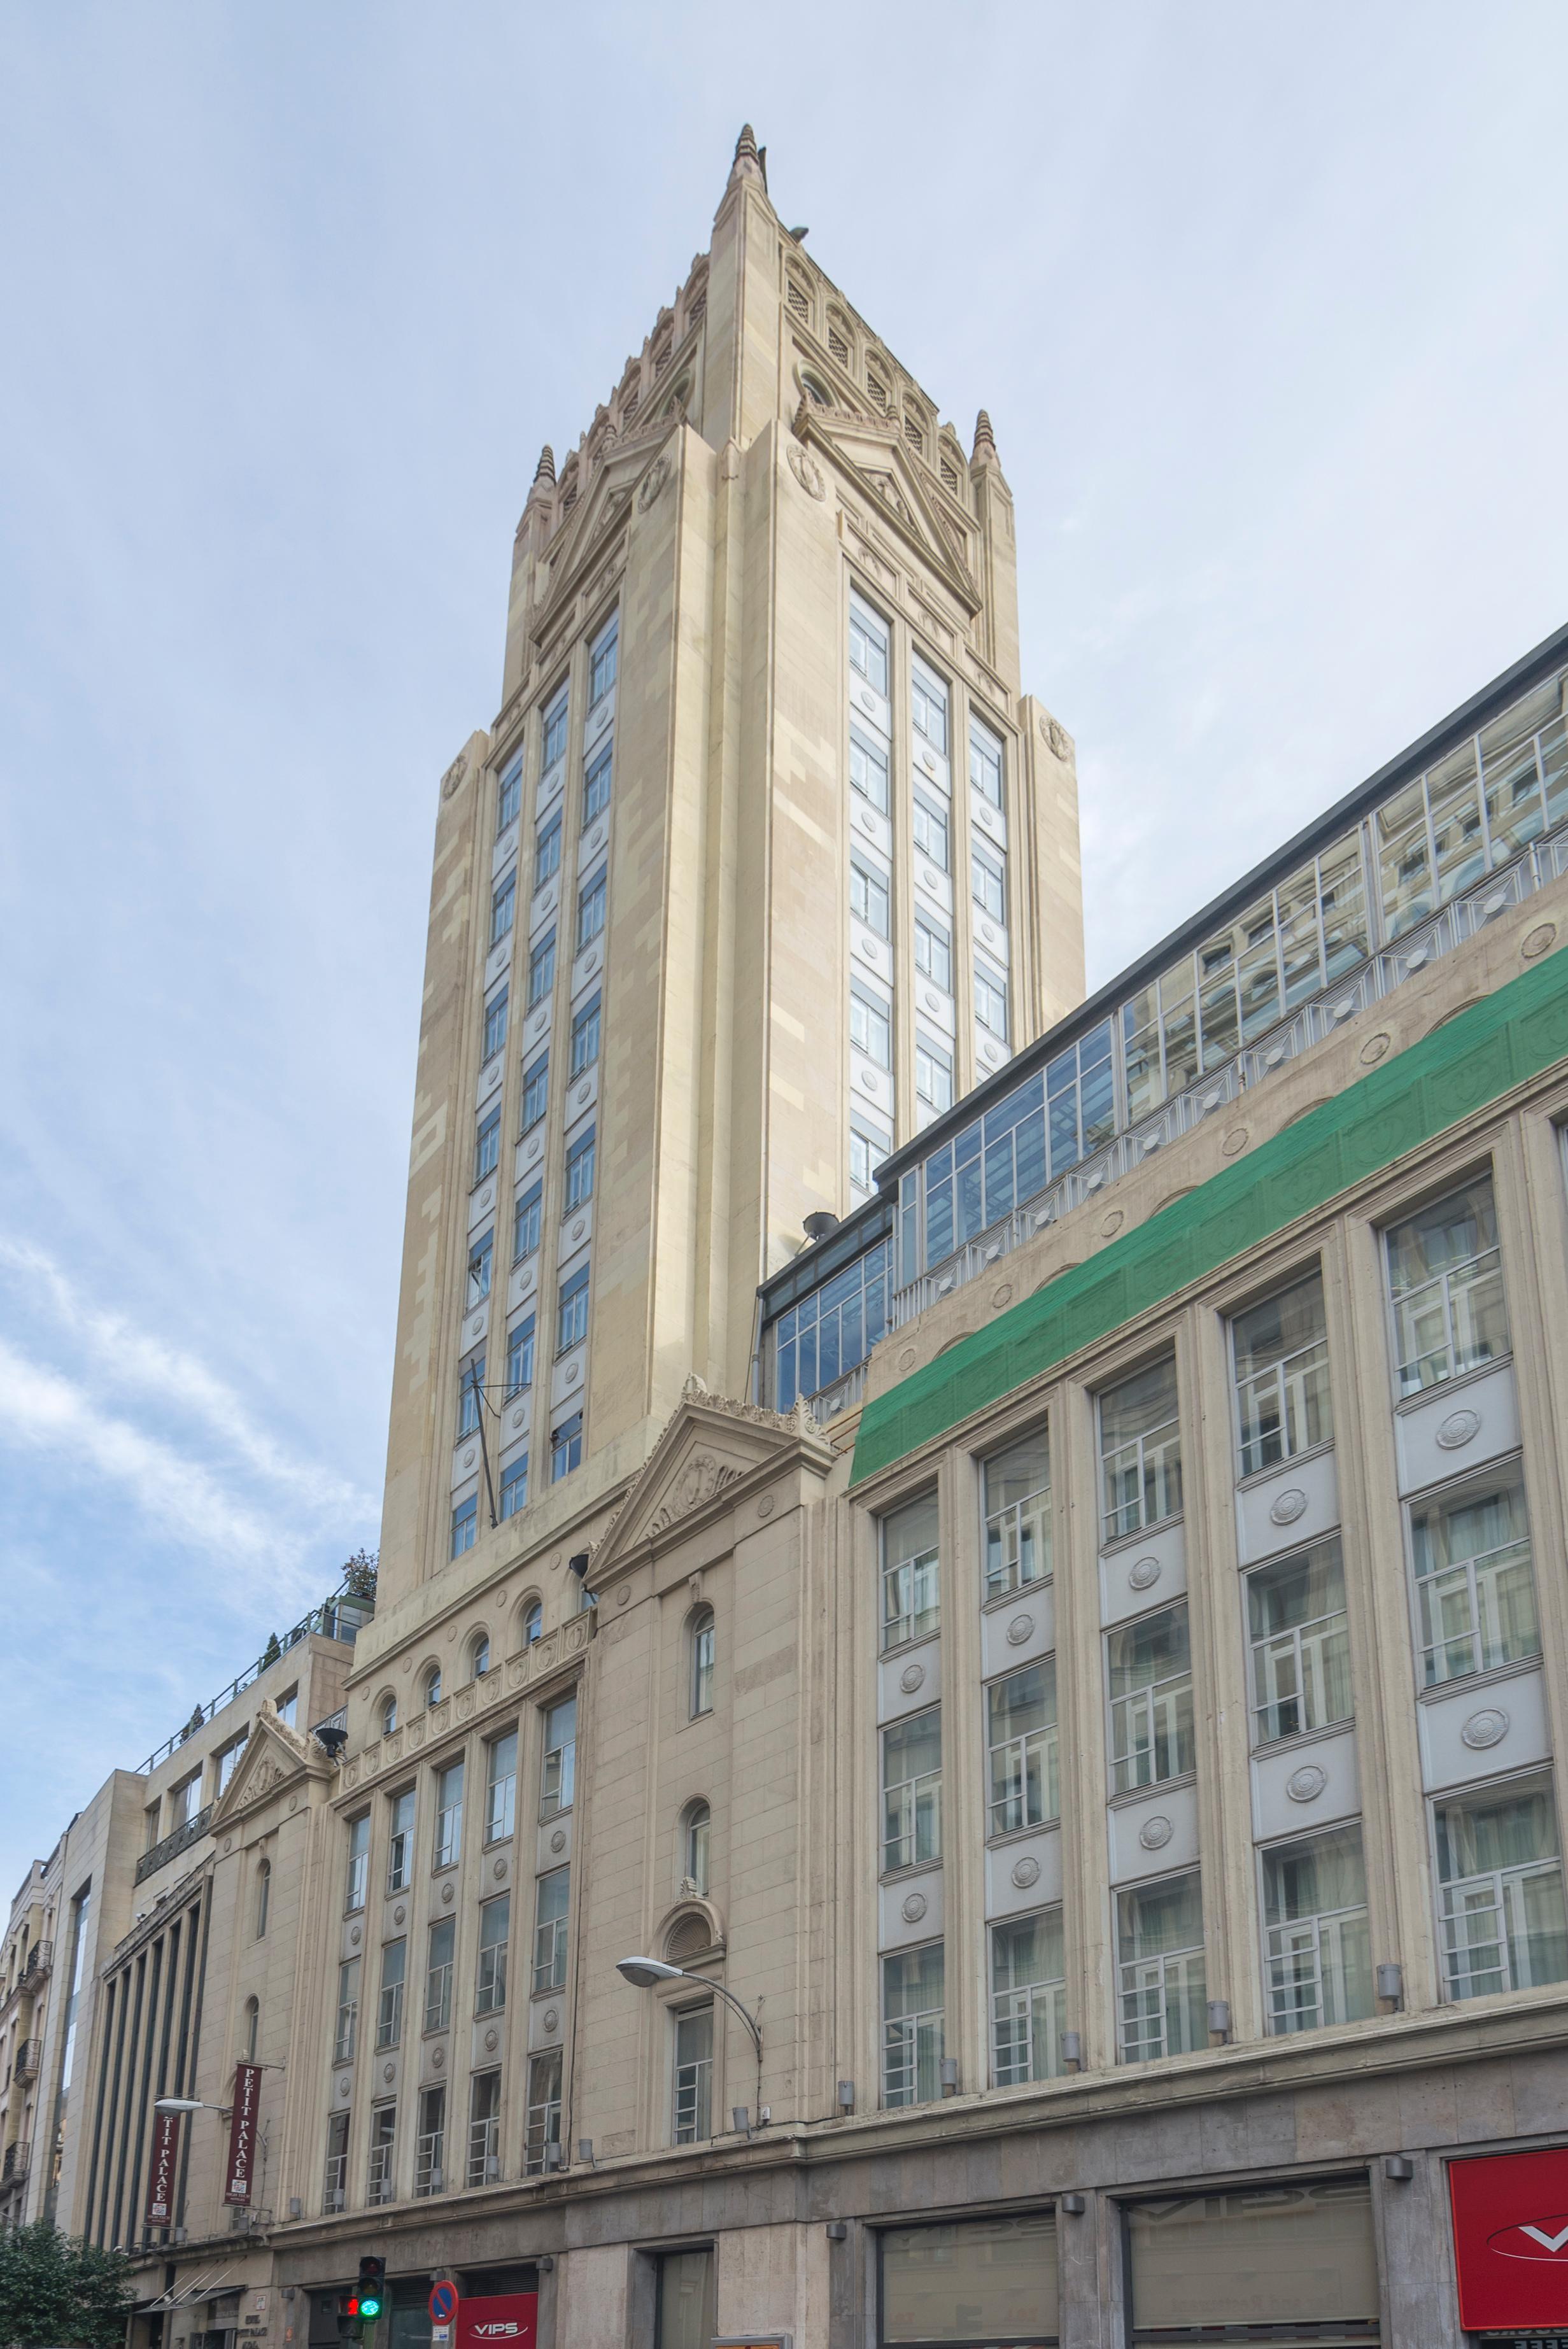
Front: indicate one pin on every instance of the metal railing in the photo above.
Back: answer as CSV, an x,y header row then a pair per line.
x,y
15,2165
341,1617
28,2057
40,1958
181,1840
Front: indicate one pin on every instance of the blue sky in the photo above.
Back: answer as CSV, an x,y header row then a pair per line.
x,y
1267,306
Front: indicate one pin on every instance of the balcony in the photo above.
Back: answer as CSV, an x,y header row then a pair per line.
x,y
29,2056
14,2166
181,1840
40,1960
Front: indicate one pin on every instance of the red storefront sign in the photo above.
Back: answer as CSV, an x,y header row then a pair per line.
x,y
243,2132
162,2168
510,2320
1510,2241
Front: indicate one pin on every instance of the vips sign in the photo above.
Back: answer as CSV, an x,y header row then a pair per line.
x,y
243,2132
160,2170
510,2320
1510,2241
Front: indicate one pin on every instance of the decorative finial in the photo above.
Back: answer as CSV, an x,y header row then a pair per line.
x,y
748,164
546,468
984,441
746,144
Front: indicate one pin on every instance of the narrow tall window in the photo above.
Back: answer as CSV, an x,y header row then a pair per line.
x,y
987,879
869,900
1475,1585
869,646
534,1622
348,2011
703,1639
501,1786
520,1356
870,1024
597,783
868,769
469,1393
990,999
525,1220
1028,1998
1150,1667
480,1259
911,1606
495,1023
912,2004
1140,1450
934,951
509,795
1282,1400
933,1072
928,705
698,1843
1499,1898
551,1899
486,1144
932,830
554,738
1301,1644
503,908
1318,1952
602,656
383,2138
541,967
591,902
912,1790
465,1525
334,2185
535,1090
513,1485
544,2108
449,1815
1018,1514
400,1843
1445,1286
547,849
572,1310
484,2129
389,2012
1159,1950
584,1036
985,761
387,1719
495,1934
1021,1717
558,1775
264,1897
479,1656
580,1171
565,1447
358,1874
438,1975
693,2075
429,2147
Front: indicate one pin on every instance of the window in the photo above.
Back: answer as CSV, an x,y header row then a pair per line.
x,y
1028,1999
572,1310
1500,1879
1018,1514
185,1801
832,1328
387,1720
465,1525
868,645
335,2186
525,1219
696,1847
931,829
560,1757
432,1685
1272,2261
591,909
508,796
987,879
520,1356
867,1151
400,1843
503,908
933,1072
438,1975
1281,1350
449,1815
470,1395
429,2146
226,1764
390,2013
912,1998
544,2109
513,1485
596,785
869,898
551,1899
484,2129
1445,1285
348,2011
1159,1951
566,1447
693,2075
870,1024
287,1704
555,742
1301,1644
1475,1586
383,2135
547,849
501,1786
359,1862
1150,1667
252,2031
703,1638
912,1790
928,705
911,1608
495,1023
580,1171
481,1256
264,1897
584,1036
868,769
494,1931
602,661
688,2301
1317,1950
1025,1781
985,761
535,1090
934,951
978,2280
1140,1450
532,1622
541,967
990,999
479,1659
486,1144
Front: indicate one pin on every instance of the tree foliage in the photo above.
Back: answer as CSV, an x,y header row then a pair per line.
x,y
58,2292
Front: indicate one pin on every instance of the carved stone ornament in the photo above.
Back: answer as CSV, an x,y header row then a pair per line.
x,y
448,1896
438,2060
653,481
1112,1222
1145,1574
808,472
1235,1142
1003,1296
1022,1627
345,2084
767,1505
1305,1785
388,2072
1375,1047
399,1914
500,1872
558,1840
1026,1872
551,2018
355,1937
1056,736
913,1908
1537,941
492,2041
1156,1833
698,1480
454,775
1488,1727
1460,1428
623,1594
228,1842
911,1678
1287,1507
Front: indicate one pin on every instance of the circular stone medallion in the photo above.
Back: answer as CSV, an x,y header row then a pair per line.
x,y
1287,1507
1489,1727
1022,1627
1235,1142
1537,941
1458,1430
501,1871
398,1913
1145,1574
1026,1872
558,1840
447,1895
1156,1833
551,2018
1374,1048
911,1678
914,1908
1305,1785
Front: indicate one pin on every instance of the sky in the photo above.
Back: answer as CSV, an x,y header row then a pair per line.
x,y
1266,305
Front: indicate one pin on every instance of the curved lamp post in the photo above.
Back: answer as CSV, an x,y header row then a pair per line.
x,y
646,1973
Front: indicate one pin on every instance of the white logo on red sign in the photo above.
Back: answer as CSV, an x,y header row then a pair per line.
x,y
1542,2239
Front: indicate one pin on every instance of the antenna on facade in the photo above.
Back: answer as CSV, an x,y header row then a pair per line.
x,y
484,1447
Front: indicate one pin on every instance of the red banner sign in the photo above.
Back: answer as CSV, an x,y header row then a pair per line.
x,y
1510,2241
243,2132
161,2172
508,2321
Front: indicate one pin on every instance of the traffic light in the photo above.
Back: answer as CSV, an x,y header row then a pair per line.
x,y
369,2296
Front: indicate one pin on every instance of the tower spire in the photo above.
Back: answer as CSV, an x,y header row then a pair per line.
x,y
544,471
984,441
748,164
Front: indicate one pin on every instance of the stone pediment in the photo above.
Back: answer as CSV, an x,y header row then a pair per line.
x,y
709,1451
869,451
274,1756
625,469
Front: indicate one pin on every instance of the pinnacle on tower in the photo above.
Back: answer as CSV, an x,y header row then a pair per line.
x,y
546,468
748,164
984,441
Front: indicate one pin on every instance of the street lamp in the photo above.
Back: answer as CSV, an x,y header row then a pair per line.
x,y
646,1973
186,2104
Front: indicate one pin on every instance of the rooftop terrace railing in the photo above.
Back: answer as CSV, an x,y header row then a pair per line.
x,y
341,1617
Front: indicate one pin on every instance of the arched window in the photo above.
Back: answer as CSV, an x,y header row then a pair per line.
x,y
388,1715
432,1685
695,1841
252,2026
701,1662
479,1662
533,1622
264,1897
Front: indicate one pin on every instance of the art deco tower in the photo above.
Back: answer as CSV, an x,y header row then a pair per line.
x,y
766,857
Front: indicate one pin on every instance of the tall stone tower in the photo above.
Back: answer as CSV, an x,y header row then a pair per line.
x,y
766,857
